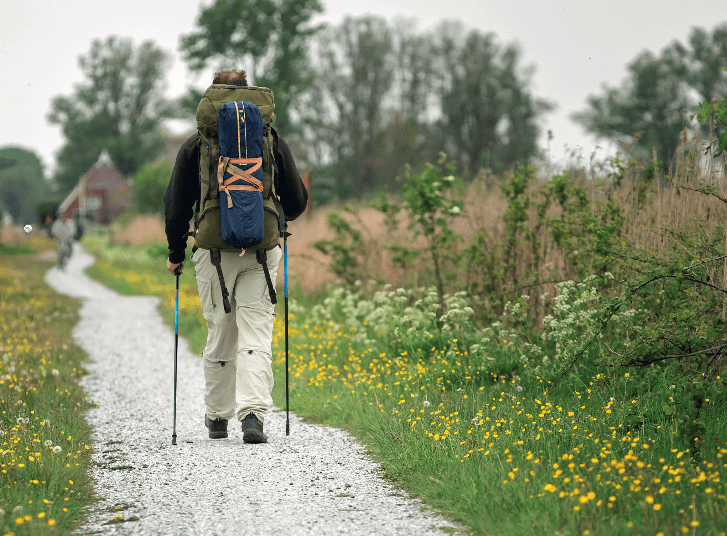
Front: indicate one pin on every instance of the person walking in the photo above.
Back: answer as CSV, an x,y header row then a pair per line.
x,y
64,230
238,353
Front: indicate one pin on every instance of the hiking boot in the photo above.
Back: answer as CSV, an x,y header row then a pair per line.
x,y
252,430
217,427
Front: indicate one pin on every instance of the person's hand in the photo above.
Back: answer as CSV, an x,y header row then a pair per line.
x,y
173,267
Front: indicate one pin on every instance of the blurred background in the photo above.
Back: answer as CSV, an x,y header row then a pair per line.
x,y
96,101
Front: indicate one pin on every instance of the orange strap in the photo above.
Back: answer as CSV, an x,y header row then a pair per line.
x,y
245,176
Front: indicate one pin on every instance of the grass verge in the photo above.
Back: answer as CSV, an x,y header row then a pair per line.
x,y
44,471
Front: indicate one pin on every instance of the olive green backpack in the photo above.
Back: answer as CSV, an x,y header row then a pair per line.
x,y
208,234
207,226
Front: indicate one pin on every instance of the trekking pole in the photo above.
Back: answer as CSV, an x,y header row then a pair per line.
x,y
285,267
177,272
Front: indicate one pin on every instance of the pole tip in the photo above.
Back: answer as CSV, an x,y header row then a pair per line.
x,y
174,440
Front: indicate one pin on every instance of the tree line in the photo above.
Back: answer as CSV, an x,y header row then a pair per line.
x,y
360,100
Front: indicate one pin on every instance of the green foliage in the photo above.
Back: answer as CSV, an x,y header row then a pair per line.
x,y
378,88
430,207
22,184
345,248
119,108
717,110
489,117
150,184
45,483
650,103
270,35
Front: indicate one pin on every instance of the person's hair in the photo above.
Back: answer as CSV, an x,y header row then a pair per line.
x,y
230,78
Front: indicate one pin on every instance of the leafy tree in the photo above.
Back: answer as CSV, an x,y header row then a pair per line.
x,y
119,107
650,105
488,117
357,73
271,35
150,183
22,186
652,101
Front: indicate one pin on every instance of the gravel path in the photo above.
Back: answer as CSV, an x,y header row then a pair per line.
x,y
318,480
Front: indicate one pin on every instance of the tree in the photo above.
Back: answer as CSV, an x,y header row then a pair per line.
x,y
488,117
271,35
653,101
120,108
356,75
22,186
650,104
150,184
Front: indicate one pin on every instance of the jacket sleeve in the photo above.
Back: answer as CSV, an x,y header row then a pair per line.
x,y
290,187
180,197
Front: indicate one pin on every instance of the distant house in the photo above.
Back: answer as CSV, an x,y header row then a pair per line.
x,y
101,195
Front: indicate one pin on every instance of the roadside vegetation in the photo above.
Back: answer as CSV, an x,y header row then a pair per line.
x,y
45,454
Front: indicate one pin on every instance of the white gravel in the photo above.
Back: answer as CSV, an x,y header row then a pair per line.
x,y
318,480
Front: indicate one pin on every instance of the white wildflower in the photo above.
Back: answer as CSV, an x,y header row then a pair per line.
x,y
57,449
519,388
48,443
454,210
426,403
55,372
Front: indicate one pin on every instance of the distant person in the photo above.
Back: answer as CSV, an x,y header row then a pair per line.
x,y
238,354
63,229
48,225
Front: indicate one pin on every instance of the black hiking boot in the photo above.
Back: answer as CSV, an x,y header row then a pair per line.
x,y
217,427
252,430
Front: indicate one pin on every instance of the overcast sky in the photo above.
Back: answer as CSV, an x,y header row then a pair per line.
x,y
575,46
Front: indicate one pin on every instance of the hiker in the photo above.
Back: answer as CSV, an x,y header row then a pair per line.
x,y
63,229
238,354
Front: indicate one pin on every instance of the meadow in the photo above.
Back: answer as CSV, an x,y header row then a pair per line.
x,y
44,468
576,394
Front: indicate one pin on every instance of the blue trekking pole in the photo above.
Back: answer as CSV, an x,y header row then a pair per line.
x,y
285,268
177,272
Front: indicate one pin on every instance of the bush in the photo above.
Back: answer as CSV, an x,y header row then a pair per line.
x,y
150,184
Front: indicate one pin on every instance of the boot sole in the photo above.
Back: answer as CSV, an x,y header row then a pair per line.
x,y
254,436
218,435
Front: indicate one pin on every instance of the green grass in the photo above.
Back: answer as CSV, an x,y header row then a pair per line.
x,y
41,491
471,431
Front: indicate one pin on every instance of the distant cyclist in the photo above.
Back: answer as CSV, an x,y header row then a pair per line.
x,y
63,229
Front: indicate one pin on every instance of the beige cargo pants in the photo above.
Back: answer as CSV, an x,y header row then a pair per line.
x,y
238,355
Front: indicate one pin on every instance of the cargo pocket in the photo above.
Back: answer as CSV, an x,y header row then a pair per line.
x,y
206,297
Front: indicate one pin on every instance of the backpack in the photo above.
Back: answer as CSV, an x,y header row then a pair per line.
x,y
246,212
238,208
